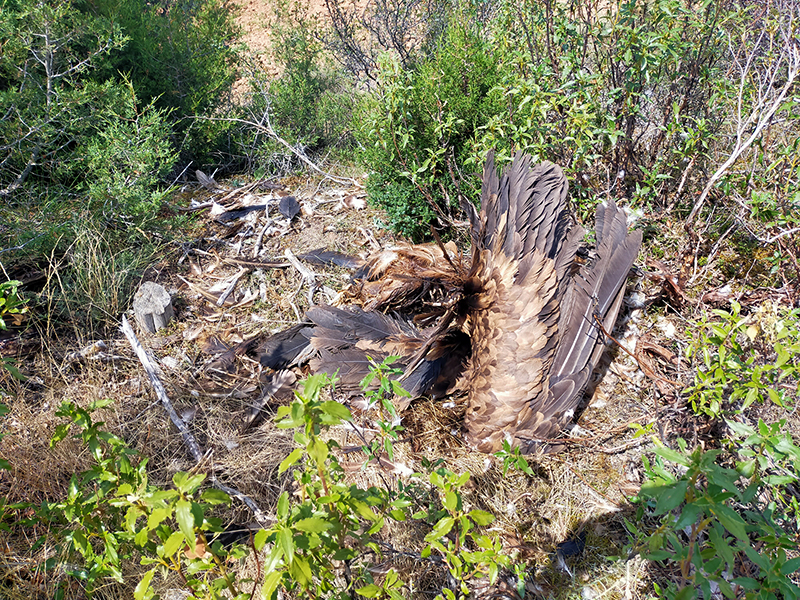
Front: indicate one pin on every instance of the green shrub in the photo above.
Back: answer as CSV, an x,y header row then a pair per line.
x,y
112,514
307,106
624,98
744,359
126,160
51,102
711,519
181,57
416,128
12,305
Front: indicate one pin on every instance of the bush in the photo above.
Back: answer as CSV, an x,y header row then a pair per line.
x,y
416,128
623,98
732,530
742,360
181,58
112,514
109,92
307,106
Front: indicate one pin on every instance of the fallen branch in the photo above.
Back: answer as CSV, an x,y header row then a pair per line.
x,y
308,275
188,437
150,369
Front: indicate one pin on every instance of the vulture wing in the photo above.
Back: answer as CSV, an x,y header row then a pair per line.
x,y
343,342
535,340
521,322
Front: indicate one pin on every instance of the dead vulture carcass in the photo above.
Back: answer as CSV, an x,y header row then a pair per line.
x,y
516,327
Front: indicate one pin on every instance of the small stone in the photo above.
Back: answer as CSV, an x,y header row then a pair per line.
x,y
152,306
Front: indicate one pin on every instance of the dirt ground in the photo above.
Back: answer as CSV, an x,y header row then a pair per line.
x,y
215,387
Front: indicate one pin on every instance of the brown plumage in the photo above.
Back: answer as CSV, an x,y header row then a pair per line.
x,y
515,328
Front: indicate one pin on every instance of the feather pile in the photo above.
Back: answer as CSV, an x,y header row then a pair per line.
x,y
515,327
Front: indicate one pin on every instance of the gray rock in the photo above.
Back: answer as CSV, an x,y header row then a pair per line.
x,y
152,306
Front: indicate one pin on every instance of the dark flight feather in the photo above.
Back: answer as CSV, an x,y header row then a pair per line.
x,y
516,325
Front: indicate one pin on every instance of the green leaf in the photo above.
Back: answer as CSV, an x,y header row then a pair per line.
x,y
186,483
672,455
140,539
157,516
101,403
270,586
142,588
670,496
313,525
442,528
481,517
451,501
183,513
286,541
659,555
283,505
686,593
260,539
215,496
301,571
757,558
273,559
318,452
790,566
336,410
174,542
287,462
688,516
730,520
369,591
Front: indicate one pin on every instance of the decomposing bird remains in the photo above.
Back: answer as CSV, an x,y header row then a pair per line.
x,y
515,327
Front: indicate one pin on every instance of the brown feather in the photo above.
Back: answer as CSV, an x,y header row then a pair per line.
x,y
534,338
516,327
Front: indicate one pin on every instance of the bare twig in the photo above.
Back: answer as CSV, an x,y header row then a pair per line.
x,y
766,104
232,285
260,237
308,275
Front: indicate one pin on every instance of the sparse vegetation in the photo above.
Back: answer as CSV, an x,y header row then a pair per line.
x,y
684,110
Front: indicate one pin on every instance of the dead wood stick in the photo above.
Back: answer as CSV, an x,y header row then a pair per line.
x,y
232,193
259,514
260,237
232,285
256,264
150,369
307,274
187,435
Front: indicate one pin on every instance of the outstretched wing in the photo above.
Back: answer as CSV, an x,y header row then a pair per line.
x,y
535,316
346,342
513,296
